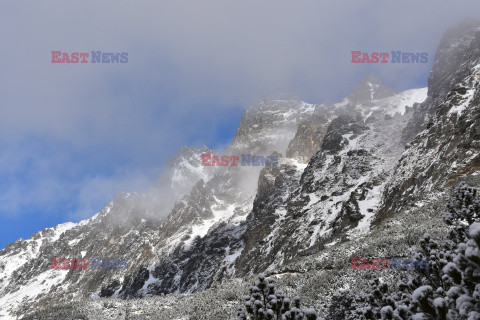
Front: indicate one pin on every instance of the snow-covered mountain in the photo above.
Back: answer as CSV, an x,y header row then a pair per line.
x,y
344,170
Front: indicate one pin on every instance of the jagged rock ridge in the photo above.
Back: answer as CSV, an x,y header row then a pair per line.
x,y
345,166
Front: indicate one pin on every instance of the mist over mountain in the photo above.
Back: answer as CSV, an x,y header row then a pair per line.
x,y
364,176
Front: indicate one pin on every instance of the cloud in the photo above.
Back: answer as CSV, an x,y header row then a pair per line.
x,y
63,183
191,64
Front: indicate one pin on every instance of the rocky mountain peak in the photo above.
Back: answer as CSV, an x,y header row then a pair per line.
x,y
269,126
369,89
456,55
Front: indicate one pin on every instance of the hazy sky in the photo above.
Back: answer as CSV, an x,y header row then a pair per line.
x,y
72,135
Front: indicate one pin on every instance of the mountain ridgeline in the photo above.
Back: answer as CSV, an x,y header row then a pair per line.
x,y
349,173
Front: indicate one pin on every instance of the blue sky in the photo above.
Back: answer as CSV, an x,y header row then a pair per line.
x,y
73,135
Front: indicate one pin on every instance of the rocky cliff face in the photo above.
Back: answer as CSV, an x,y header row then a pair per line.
x,y
309,135
342,167
447,148
335,195
456,55
311,132
269,126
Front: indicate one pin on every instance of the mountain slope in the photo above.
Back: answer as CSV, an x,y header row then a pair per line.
x,y
354,177
352,163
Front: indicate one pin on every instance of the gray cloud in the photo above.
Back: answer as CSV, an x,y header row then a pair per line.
x,y
189,63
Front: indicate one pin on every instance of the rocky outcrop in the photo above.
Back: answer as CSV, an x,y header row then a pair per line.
x,y
448,147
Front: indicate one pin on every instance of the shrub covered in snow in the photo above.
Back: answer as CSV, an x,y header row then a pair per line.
x,y
266,303
448,289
